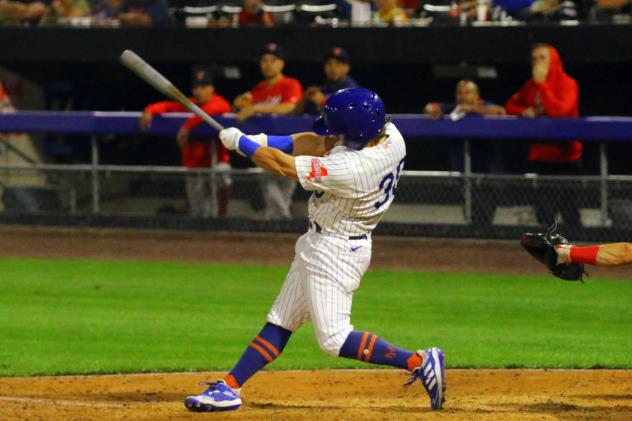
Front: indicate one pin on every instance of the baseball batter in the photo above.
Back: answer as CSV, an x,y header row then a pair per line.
x,y
352,163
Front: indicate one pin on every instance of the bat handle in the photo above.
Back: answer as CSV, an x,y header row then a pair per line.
x,y
205,117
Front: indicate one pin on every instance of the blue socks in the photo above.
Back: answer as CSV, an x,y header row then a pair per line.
x,y
265,348
367,347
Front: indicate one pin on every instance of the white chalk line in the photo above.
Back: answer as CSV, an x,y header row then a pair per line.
x,y
67,402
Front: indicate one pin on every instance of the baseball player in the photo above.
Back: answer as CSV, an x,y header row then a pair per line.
x,y
352,163
276,94
612,254
196,153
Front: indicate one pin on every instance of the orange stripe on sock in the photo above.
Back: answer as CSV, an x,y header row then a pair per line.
x,y
364,338
262,352
414,361
231,382
371,344
268,345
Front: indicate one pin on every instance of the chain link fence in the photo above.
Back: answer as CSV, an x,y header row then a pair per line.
x,y
427,203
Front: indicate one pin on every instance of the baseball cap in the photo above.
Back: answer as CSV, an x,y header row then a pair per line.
x,y
272,48
201,76
338,53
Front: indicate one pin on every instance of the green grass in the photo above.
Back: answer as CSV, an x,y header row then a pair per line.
x,y
61,317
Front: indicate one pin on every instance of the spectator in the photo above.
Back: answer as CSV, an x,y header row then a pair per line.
x,y
550,93
337,77
605,9
388,13
22,11
276,94
133,12
467,101
62,9
107,10
485,155
252,14
196,152
521,9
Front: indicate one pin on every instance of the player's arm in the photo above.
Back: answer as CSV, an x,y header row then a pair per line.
x,y
275,161
305,143
281,108
270,159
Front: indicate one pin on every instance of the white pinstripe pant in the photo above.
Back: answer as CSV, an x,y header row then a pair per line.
x,y
325,272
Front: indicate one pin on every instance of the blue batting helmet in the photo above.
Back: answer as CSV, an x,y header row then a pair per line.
x,y
356,113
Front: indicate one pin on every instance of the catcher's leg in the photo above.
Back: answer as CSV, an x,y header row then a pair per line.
x,y
612,254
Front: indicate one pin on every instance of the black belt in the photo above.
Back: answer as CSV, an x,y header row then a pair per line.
x,y
319,230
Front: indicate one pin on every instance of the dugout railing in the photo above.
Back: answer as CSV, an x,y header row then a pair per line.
x,y
428,203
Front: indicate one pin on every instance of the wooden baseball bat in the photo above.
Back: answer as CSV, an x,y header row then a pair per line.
x,y
132,61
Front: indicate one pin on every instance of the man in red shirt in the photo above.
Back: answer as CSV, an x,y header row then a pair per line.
x,y
252,14
550,93
276,94
198,153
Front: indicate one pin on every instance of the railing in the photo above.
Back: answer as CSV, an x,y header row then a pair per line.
x,y
467,189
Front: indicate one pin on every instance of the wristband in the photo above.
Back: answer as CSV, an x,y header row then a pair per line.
x,y
247,146
282,143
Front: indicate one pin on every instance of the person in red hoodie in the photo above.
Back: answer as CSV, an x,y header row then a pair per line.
x,y
550,93
196,152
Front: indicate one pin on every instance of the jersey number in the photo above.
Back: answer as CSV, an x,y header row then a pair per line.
x,y
389,184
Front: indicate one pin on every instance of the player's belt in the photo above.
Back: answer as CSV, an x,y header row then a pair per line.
x,y
318,229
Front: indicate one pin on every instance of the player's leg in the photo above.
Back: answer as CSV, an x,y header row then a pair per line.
x,y
333,274
195,193
287,314
273,198
287,188
225,189
612,254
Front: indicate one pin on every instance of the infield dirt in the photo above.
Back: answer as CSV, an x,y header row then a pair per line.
x,y
308,395
328,395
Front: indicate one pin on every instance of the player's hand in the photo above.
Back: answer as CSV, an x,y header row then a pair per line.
x,y
433,110
529,112
496,110
230,138
145,121
245,113
539,72
182,137
242,101
314,94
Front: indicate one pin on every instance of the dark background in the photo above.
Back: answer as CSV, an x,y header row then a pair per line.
x,y
408,67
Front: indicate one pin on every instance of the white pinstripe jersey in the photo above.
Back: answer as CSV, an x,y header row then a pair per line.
x,y
353,189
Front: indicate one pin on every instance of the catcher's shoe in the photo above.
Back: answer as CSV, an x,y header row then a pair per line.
x,y
431,375
218,397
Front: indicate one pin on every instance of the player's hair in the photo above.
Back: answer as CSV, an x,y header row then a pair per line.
x,y
382,132
540,45
469,80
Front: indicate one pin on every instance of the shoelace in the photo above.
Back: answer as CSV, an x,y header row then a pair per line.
x,y
209,384
415,374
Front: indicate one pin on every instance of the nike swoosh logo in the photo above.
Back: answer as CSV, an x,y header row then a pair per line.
x,y
355,248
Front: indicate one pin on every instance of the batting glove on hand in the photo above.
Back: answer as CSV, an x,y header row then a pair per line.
x,y
230,138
